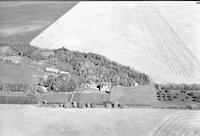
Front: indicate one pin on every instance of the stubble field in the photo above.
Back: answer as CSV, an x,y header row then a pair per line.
x,y
141,35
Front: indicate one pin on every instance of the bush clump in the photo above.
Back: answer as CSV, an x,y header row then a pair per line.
x,y
177,86
62,83
97,68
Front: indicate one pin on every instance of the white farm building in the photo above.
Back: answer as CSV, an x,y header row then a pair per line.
x,y
52,70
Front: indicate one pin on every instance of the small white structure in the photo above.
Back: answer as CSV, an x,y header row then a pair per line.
x,y
45,77
42,89
53,70
64,73
136,84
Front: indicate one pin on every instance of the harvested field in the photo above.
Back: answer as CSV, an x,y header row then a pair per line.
x,y
29,120
136,34
185,22
182,123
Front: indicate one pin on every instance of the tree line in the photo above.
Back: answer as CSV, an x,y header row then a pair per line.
x,y
177,86
85,67
97,68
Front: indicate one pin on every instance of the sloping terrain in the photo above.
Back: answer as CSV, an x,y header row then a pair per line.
x,y
21,120
17,73
138,35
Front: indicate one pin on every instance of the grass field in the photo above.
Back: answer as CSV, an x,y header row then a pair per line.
x,y
21,120
17,73
146,96
80,97
55,97
138,96
139,35
17,98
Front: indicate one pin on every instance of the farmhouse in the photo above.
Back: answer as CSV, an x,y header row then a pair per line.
x,y
64,73
53,70
104,86
42,89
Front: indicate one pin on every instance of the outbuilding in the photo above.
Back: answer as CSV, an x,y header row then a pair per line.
x,y
53,70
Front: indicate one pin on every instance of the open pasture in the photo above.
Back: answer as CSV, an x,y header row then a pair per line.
x,y
137,96
17,73
147,96
136,34
93,97
27,120
54,97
